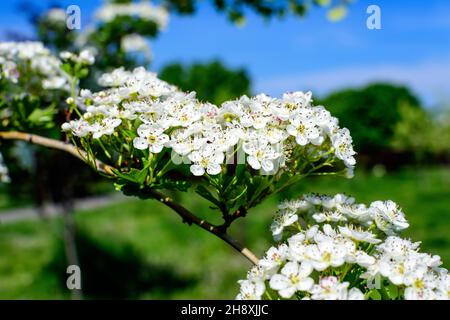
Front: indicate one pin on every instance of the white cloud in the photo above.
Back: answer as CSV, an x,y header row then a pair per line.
x,y
429,79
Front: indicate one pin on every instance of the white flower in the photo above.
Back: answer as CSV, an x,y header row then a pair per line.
x,y
257,274
274,258
316,199
34,60
420,284
342,143
250,290
135,43
106,127
297,248
79,128
143,9
329,288
294,277
206,158
355,294
326,253
358,234
57,15
329,216
260,154
295,205
86,56
298,99
337,201
304,131
388,217
54,83
361,258
151,137
357,212
283,219
348,250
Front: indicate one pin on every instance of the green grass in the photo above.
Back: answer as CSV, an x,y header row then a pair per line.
x,y
163,243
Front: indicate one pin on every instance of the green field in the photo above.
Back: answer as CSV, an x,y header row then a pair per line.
x,y
140,249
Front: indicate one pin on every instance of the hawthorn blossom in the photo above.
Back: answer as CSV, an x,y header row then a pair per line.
x,y
304,131
346,256
342,143
329,288
293,277
358,234
206,159
106,127
388,217
260,154
283,219
250,290
326,253
150,137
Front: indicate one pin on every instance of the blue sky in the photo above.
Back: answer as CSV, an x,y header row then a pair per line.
x,y
412,48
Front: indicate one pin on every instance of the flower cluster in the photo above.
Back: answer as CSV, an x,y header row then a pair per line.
x,y
135,43
56,15
85,57
152,115
334,248
33,62
143,9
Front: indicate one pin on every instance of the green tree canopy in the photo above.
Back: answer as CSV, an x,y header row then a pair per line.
x,y
212,81
237,9
370,113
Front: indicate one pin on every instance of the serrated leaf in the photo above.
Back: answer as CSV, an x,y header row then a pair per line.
x,y
206,194
134,175
42,117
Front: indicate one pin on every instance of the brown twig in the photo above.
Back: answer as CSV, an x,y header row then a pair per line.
x,y
190,218
186,215
56,144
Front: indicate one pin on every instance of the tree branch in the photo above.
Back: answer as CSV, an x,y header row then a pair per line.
x,y
190,218
56,144
186,215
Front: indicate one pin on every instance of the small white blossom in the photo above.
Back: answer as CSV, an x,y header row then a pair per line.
x,y
150,137
388,217
250,290
293,277
206,159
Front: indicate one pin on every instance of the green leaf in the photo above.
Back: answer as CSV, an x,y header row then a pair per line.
x,y
83,73
206,194
42,117
393,291
170,184
337,13
323,3
134,175
67,68
373,294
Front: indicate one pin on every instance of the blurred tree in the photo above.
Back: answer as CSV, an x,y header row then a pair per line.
x,y
427,135
371,113
212,81
237,9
